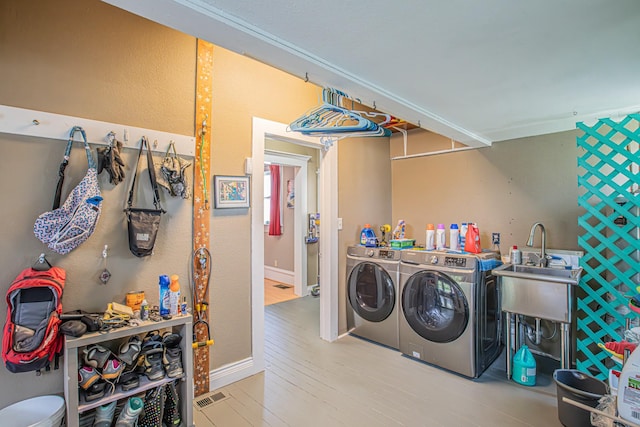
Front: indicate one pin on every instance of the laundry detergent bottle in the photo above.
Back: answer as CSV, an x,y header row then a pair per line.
x,y
524,367
431,238
629,388
368,237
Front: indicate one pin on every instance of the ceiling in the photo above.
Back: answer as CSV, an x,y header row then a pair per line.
x,y
474,71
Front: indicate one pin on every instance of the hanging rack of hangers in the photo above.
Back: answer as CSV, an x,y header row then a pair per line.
x,y
333,120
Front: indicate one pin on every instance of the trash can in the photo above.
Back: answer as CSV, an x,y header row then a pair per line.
x,y
579,387
42,411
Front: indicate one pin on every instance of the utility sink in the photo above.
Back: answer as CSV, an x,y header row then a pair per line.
x,y
542,292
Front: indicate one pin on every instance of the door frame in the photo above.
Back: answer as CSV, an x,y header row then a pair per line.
x,y
328,244
299,247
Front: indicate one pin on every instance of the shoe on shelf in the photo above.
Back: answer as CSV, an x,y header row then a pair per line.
x,y
172,362
152,336
112,369
129,380
87,376
171,339
153,352
130,350
129,415
96,391
104,415
96,355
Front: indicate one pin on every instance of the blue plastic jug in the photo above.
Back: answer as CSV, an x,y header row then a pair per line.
x,y
524,367
368,237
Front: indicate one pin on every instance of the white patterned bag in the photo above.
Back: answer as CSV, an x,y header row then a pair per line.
x,y
68,226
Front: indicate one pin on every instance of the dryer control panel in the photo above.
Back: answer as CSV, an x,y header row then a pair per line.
x,y
451,261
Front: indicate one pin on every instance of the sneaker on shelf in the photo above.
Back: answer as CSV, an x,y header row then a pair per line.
x,y
152,336
172,362
130,350
95,391
104,415
129,415
112,369
129,380
171,339
153,351
96,355
87,376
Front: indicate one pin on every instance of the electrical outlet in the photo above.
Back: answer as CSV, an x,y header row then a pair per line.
x,y
339,223
495,238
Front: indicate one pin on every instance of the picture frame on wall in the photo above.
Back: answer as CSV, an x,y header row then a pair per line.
x,y
231,192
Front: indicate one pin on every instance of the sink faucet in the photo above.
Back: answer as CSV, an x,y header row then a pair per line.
x,y
543,249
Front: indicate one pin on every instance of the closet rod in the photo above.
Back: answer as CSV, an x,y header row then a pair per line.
x,y
40,124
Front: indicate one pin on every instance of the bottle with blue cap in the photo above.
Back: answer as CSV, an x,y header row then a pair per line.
x,y
368,237
454,237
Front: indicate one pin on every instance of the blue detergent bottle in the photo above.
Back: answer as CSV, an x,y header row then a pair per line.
x,y
524,367
368,237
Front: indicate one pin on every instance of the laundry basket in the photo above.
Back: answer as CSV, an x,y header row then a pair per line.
x,y
579,387
42,411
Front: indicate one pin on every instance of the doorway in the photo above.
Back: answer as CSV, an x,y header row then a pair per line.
x,y
328,244
287,258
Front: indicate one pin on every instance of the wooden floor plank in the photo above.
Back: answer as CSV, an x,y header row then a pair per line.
x,y
353,382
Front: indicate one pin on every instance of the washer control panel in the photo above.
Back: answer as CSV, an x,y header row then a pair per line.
x,y
451,261
386,254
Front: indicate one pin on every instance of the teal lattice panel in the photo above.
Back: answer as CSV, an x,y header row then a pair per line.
x,y
608,188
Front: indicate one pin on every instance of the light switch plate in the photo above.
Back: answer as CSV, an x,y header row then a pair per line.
x,y
339,224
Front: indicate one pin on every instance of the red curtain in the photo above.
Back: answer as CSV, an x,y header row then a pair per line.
x,y
274,215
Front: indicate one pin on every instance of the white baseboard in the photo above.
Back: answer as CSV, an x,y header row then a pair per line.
x,y
279,275
231,373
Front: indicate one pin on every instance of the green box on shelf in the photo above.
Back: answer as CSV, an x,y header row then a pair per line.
x,y
402,243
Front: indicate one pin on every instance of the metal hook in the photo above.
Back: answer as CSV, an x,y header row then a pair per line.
x,y
104,251
35,122
306,77
111,137
155,143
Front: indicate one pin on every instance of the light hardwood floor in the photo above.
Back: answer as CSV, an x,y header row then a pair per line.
x,y
274,294
352,382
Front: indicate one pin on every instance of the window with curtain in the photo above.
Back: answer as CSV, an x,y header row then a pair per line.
x,y
268,191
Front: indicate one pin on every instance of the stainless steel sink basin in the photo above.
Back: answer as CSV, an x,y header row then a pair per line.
x,y
543,292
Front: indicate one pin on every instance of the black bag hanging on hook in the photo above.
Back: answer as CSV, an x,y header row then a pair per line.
x,y
143,224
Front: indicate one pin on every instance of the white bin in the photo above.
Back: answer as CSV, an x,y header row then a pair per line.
x,y
42,411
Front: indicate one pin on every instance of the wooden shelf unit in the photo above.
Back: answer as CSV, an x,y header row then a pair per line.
x,y
76,405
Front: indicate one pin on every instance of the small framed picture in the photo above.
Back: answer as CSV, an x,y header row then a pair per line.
x,y
231,192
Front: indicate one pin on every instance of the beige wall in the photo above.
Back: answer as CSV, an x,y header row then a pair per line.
x,y
88,59
57,57
364,174
242,89
504,188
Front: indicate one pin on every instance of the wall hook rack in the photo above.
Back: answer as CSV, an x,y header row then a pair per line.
x,y
40,124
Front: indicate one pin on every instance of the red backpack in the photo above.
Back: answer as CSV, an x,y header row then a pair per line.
x,y
31,338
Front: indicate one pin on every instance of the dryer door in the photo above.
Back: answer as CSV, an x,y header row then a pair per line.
x,y
435,306
371,292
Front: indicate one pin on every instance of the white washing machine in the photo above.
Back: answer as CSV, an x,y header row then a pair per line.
x,y
372,294
450,305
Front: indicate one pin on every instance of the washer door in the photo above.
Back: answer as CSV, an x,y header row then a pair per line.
x,y
371,292
435,306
